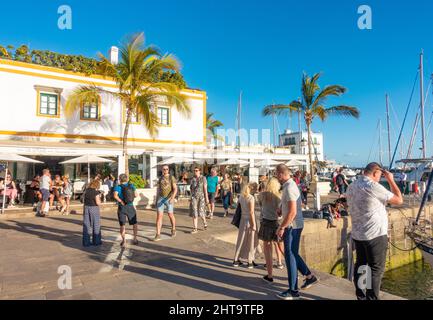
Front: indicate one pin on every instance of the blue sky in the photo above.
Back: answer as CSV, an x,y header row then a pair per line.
x,y
262,48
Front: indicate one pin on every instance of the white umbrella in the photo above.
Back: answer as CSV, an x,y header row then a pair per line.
x,y
10,157
177,160
295,163
235,162
268,163
87,159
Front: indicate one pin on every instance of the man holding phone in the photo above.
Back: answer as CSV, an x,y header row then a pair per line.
x,y
367,201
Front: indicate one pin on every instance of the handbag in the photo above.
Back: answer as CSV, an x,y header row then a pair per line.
x,y
237,217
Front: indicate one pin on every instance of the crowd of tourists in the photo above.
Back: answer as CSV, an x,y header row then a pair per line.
x,y
280,199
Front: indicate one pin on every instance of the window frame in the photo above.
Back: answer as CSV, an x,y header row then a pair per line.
x,y
169,119
98,110
39,95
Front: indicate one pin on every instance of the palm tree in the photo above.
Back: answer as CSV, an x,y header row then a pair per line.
x,y
212,125
313,105
140,87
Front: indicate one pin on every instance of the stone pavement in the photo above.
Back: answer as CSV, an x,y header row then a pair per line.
x,y
187,267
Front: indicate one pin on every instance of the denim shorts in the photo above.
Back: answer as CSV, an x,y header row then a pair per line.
x,y
45,194
164,203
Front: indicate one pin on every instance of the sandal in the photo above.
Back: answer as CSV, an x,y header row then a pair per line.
x,y
205,226
194,231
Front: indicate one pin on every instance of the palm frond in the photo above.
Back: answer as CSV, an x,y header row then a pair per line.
x,y
81,95
167,93
333,90
212,125
279,109
345,111
310,88
145,110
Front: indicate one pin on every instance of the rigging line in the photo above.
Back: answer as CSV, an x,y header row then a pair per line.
x,y
415,128
372,145
404,121
397,121
425,100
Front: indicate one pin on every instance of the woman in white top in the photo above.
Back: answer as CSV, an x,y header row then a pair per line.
x,y
248,241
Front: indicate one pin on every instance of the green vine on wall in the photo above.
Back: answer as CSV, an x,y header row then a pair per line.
x,y
75,63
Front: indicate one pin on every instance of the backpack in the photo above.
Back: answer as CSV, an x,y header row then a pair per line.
x,y
339,180
128,193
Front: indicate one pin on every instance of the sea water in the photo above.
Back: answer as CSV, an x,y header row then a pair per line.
x,y
413,281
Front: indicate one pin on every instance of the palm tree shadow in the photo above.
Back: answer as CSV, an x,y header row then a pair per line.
x,y
75,126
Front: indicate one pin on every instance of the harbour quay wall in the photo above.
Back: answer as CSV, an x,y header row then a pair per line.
x,y
327,250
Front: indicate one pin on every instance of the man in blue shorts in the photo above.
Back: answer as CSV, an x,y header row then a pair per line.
x,y
165,195
124,194
212,190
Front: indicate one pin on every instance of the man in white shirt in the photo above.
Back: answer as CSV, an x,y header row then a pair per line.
x,y
367,201
290,231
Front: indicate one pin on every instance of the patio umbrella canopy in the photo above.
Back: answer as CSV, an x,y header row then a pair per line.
x,y
295,163
268,163
11,157
87,159
179,160
235,162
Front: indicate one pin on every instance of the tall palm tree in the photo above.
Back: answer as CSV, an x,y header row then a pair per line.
x,y
212,125
139,87
313,105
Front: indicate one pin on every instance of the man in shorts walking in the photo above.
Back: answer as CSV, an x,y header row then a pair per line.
x,y
45,192
212,191
165,195
124,194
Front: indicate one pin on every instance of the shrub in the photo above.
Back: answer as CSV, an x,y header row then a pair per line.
x,y
137,181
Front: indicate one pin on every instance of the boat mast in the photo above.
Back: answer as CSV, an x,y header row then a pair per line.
x,y
421,71
388,127
239,122
380,142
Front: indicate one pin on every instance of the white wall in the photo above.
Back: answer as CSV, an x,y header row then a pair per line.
x,y
303,148
18,105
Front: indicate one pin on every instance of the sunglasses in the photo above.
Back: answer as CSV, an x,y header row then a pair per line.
x,y
165,169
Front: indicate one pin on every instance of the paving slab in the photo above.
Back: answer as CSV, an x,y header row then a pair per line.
x,y
189,266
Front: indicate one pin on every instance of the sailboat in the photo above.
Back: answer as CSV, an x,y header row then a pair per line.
x,y
420,229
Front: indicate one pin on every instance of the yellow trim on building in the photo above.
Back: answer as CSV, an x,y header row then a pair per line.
x,y
204,119
203,97
88,137
38,104
77,74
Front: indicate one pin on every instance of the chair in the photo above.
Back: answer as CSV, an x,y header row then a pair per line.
x,y
105,190
78,188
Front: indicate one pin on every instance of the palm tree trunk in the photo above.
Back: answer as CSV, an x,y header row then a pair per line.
x,y
125,139
310,153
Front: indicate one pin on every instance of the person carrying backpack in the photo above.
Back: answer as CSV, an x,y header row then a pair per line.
x,y
165,195
124,194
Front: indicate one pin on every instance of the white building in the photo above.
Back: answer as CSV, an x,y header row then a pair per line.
x,y
297,142
33,123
